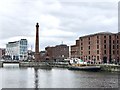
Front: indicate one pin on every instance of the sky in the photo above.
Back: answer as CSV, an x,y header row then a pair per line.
x,y
59,20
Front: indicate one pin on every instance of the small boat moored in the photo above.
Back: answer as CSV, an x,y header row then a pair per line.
x,y
78,64
86,68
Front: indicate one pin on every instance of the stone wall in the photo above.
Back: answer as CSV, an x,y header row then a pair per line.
x,y
110,67
1,64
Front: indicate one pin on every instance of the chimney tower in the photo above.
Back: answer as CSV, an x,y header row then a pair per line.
x,y
37,54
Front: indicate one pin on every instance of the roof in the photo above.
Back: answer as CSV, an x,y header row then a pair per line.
x,y
12,42
100,33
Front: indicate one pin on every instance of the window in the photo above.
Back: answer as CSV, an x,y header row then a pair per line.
x,y
117,37
97,57
97,46
81,48
109,37
20,42
89,47
89,57
113,52
81,39
97,51
89,52
81,43
117,46
104,51
113,47
117,41
97,41
97,37
110,41
104,41
104,46
89,38
89,42
104,36
81,53
117,52
113,41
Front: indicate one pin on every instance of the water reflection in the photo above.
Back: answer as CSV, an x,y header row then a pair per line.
x,y
13,76
36,78
11,66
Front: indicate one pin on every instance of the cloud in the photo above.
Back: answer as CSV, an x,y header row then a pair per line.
x,y
49,21
88,17
57,33
59,20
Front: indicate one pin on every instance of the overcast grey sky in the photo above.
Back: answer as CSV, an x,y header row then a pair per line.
x,y
60,20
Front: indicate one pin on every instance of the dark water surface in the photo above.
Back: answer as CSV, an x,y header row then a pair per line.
x,y
14,77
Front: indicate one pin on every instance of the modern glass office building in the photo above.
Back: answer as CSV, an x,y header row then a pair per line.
x,y
17,50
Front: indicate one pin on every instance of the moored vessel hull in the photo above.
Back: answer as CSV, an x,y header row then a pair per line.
x,y
86,68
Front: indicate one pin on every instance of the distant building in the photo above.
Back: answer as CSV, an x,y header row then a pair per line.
x,y
75,50
2,53
58,52
30,55
98,48
17,50
42,55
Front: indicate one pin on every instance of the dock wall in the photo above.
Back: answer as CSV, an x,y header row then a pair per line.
x,y
104,67
1,64
110,67
33,64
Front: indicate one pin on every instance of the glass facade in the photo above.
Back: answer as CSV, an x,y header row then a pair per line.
x,y
17,50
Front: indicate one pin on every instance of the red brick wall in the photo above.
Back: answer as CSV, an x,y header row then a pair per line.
x,y
93,41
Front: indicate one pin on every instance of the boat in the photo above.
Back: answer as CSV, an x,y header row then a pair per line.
x,y
86,68
78,64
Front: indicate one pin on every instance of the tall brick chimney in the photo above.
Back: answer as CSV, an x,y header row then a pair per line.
x,y
37,54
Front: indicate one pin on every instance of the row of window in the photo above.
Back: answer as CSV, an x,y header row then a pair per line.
x,y
113,52
22,52
104,47
23,47
23,42
113,47
89,57
113,41
98,37
105,52
104,42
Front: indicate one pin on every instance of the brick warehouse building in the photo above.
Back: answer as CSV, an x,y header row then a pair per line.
x,y
101,47
58,52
